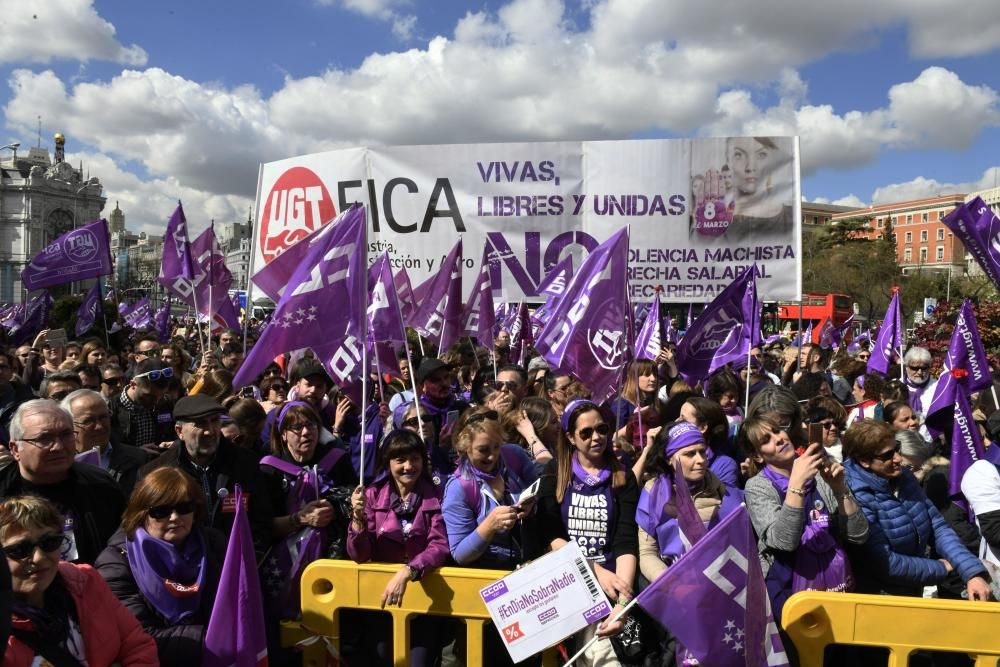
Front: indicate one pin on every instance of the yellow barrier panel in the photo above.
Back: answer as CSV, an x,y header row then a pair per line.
x,y
331,585
901,624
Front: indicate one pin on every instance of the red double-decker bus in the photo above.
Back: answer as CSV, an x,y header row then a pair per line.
x,y
815,309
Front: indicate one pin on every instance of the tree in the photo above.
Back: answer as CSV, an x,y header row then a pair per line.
x,y
935,333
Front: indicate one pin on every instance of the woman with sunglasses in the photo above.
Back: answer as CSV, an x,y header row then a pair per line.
x,y
480,506
274,391
62,614
831,416
164,565
903,523
398,520
586,475
802,511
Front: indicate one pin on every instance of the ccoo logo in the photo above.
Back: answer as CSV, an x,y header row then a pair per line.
x,y
297,205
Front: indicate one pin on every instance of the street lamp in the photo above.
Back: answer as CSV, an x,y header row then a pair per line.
x,y
13,148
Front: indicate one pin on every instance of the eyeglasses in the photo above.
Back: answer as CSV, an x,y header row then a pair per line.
x,y
26,549
49,441
509,385
90,422
587,433
412,422
161,512
491,415
304,426
885,457
113,382
155,352
155,375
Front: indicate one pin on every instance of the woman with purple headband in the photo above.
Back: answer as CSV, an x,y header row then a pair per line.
x,y
587,496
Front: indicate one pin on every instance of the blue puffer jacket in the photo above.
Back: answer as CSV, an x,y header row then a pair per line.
x,y
902,525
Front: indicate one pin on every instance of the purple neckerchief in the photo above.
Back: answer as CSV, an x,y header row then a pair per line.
x,y
916,392
588,513
481,475
820,563
169,578
439,413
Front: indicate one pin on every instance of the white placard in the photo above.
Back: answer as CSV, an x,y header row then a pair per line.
x,y
545,601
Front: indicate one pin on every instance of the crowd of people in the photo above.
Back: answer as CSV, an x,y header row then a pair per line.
x,y
117,493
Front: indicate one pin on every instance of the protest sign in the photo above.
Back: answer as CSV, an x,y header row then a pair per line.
x,y
700,210
545,601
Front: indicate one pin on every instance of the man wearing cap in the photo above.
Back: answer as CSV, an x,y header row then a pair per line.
x,y
218,465
95,439
133,412
43,444
436,395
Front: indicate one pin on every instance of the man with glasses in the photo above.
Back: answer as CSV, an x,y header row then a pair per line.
x,y
134,418
112,381
218,465
917,364
95,442
43,443
511,386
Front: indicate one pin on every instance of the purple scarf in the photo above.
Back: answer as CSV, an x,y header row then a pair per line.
x,y
820,563
170,578
588,513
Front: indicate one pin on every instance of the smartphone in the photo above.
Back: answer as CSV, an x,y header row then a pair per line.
x,y
816,433
451,417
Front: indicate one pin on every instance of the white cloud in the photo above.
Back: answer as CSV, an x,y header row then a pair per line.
x,y
403,24
40,32
921,187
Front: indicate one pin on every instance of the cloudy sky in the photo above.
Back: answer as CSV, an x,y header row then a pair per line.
x,y
892,99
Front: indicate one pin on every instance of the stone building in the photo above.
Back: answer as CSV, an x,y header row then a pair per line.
x,y
41,197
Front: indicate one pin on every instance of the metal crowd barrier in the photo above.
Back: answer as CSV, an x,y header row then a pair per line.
x,y
331,585
901,624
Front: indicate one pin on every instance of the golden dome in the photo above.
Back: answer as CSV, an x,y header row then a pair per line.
x,y
60,139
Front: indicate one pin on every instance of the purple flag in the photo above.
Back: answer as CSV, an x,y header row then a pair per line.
x,y
439,316
30,319
966,445
177,261
87,314
324,300
978,228
966,369
833,336
91,457
212,281
275,275
78,254
521,336
385,321
480,316
720,579
586,334
404,291
139,315
690,320
725,331
236,636
161,321
890,338
652,335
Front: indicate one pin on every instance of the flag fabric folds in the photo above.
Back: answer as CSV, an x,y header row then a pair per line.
x,y
86,315
161,321
978,227
140,315
713,599
651,336
26,322
586,334
273,277
236,636
480,317
323,301
82,253
725,330
890,338
177,262
439,315
521,336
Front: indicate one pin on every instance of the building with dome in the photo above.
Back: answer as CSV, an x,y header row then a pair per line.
x,y
41,197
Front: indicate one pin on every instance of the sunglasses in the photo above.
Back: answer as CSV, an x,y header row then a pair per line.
x,y
413,422
113,382
588,432
278,388
155,374
919,369
509,385
161,512
885,457
26,549
483,416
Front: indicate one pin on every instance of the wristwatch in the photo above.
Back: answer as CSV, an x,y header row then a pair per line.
x,y
414,573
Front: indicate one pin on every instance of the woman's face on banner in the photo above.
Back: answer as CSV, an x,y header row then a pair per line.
x,y
748,159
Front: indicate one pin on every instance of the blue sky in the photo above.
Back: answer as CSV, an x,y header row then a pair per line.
x,y
182,100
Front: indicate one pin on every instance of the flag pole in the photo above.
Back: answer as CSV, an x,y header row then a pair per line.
x,y
104,316
253,253
364,354
753,312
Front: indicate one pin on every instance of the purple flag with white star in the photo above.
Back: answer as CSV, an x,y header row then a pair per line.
x,y
86,315
713,599
587,335
324,300
890,338
439,315
84,252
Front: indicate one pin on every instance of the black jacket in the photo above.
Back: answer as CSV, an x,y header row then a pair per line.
x,y
232,465
125,463
89,494
180,643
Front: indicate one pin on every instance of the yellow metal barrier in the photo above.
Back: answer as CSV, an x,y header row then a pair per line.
x,y
331,585
901,624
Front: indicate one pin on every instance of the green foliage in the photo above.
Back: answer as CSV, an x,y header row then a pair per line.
x,y
63,316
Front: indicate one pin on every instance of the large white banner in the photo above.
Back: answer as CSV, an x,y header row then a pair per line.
x,y
699,210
